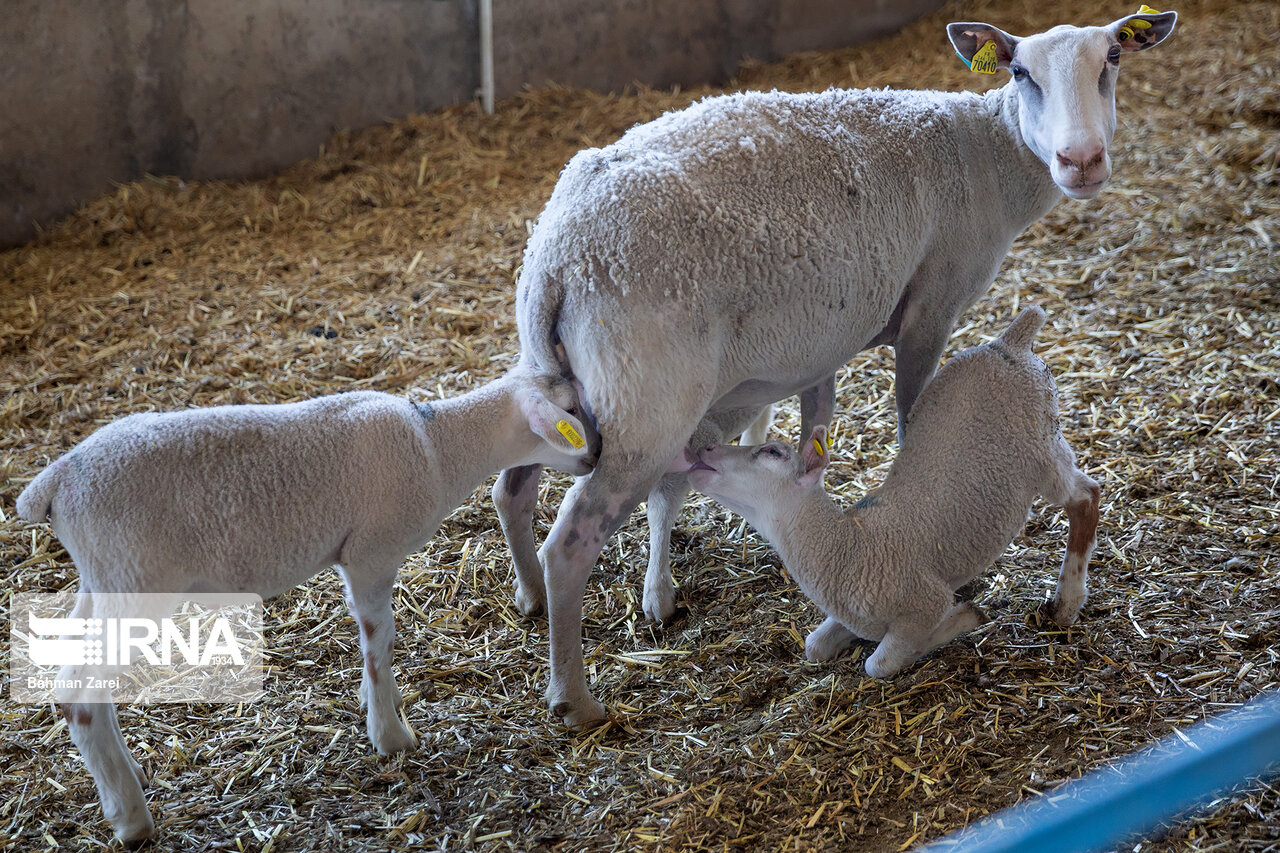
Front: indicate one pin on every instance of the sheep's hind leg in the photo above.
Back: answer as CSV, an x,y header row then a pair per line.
x,y
95,730
369,599
665,502
827,641
1081,497
515,496
902,647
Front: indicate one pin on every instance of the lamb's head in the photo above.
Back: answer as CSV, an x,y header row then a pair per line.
x,y
1065,80
557,435
761,482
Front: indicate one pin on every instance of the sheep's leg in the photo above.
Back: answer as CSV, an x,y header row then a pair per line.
x,y
916,353
758,432
817,406
587,519
665,502
1081,495
369,599
904,645
95,730
515,496
827,641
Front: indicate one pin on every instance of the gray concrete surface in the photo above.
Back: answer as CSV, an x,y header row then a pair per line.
x,y
101,92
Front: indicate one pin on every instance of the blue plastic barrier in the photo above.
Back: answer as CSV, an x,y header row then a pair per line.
x,y
1111,804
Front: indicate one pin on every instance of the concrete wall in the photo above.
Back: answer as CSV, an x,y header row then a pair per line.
x,y
98,92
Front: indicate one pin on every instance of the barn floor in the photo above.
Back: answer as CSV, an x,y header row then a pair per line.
x,y
387,262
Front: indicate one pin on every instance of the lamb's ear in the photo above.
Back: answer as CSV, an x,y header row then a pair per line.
x,y
1146,29
970,41
554,425
814,457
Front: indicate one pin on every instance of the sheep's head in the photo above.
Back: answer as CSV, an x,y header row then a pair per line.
x,y
1066,81
759,481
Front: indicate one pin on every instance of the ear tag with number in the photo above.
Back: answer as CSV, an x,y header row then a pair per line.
x,y
571,435
985,60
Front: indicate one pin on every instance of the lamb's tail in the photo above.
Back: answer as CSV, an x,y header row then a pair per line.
x,y
539,298
34,502
1022,331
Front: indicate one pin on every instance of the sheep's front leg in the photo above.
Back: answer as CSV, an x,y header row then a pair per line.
x,y
758,432
817,406
369,598
916,353
1081,502
827,641
515,495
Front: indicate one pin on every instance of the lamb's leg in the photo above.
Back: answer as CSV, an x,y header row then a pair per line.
x,y
515,495
665,502
95,730
827,641
903,645
369,598
587,519
758,432
817,406
1081,495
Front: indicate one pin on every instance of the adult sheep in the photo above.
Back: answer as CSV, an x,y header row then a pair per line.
x,y
732,254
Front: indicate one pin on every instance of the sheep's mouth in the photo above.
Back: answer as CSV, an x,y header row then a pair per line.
x,y
699,465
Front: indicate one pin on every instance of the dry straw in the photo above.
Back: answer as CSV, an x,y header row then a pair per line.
x,y
387,262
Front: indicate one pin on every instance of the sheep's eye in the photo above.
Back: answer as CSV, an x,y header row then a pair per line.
x,y
1018,72
775,452
1114,56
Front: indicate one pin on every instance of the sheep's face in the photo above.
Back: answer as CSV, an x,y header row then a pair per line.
x,y
1066,81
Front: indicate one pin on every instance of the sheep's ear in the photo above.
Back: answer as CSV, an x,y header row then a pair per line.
x,y
1146,29
814,457
970,41
554,425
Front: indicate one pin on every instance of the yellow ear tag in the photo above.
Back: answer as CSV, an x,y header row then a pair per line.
x,y
571,435
1147,10
1126,31
817,445
985,60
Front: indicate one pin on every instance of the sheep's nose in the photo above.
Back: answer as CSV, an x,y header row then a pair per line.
x,y
1081,156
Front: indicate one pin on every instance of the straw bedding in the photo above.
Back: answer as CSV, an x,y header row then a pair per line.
x,y
388,262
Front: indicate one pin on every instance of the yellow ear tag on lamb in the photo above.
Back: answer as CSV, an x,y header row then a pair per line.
x,y
817,445
1126,31
571,435
985,60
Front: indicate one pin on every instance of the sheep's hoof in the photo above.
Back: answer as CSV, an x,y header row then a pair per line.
x,y
660,605
582,716
1063,612
529,604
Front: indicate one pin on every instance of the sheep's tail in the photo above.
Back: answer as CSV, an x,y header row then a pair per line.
x,y
1022,331
539,298
34,502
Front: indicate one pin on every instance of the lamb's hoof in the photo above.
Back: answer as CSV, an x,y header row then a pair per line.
x,y
1064,611
660,606
136,832
395,740
580,716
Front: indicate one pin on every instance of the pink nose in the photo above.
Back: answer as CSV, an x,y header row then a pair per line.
x,y
1081,157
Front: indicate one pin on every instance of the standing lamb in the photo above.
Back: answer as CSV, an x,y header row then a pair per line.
x,y
260,498
726,256
981,442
